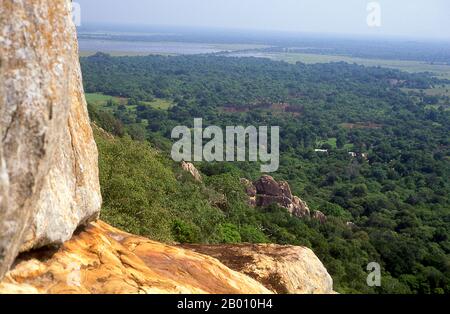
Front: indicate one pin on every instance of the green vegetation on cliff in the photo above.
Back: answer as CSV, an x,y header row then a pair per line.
x,y
145,193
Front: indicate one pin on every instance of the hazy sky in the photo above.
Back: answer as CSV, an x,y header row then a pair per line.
x,y
412,18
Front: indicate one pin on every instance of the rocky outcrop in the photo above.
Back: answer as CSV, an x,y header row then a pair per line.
x,y
318,215
189,167
282,269
48,158
266,191
49,187
267,185
299,208
250,190
104,260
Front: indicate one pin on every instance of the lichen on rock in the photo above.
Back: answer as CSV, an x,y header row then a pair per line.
x,y
48,157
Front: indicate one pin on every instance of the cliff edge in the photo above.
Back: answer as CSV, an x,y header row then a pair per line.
x,y
49,188
102,259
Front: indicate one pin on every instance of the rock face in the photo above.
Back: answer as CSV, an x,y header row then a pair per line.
x,y
282,269
189,167
48,157
104,260
267,191
49,187
318,215
300,208
250,190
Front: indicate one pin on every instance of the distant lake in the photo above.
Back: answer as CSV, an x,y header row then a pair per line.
x,y
116,47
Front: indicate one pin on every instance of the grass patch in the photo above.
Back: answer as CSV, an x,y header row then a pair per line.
x,y
439,91
98,99
161,104
331,141
349,146
440,70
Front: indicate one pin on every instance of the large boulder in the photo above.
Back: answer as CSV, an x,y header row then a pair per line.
x,y
250,191
49,187
104,260
267,185
48,158
282,269
267,191
190,168
299,208
319,216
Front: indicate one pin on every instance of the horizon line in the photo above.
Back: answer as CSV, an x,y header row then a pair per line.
x,y
259,31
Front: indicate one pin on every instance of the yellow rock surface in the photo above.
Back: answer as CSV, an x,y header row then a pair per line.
x,y
281,268
105,260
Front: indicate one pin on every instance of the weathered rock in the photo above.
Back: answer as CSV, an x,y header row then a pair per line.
x,y
266,191
48,158
267,185
266,200
318,215
282,269
102,259
250,190
189,167
49,186
299,208
285,189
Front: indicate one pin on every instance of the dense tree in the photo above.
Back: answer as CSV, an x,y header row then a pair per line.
x,y
394,186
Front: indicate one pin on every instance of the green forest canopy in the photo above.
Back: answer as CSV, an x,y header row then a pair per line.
x,y
398,196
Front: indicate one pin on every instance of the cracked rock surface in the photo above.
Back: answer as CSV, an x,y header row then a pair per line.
x,y
105,260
